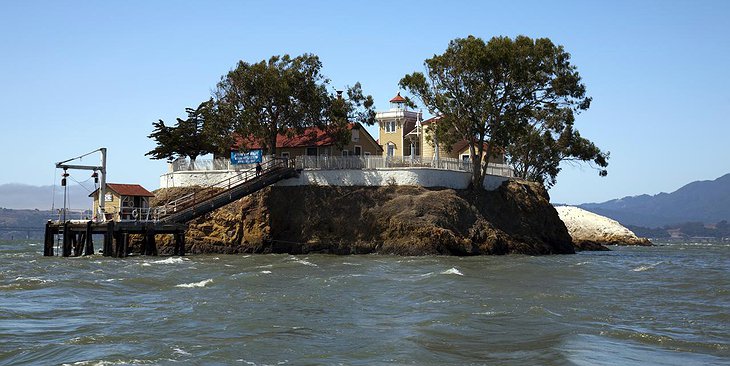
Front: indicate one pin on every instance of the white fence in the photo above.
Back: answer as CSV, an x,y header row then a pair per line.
x,y
378,162
345,162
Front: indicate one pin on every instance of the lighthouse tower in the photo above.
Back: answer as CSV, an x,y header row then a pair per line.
x,y
399,129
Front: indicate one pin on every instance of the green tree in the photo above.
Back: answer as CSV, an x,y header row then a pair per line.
x,y
283,95
188,138
548,140
487,93
166,145
341,111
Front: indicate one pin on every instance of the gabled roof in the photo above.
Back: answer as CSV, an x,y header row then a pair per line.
x,y
310,137
126,190
398,99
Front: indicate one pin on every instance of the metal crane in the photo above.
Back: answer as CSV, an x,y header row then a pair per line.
x,y
100,168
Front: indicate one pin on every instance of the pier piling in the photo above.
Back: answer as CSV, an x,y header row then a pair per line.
x,y
48,241
89,247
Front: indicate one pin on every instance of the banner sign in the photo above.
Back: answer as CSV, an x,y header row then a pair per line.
x,y
248,157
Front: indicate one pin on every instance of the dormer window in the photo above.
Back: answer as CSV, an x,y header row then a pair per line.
x,y
389,126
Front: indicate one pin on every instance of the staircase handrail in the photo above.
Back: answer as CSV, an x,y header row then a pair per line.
x,y
228,183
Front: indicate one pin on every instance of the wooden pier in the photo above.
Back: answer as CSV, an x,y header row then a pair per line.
x,y
76,237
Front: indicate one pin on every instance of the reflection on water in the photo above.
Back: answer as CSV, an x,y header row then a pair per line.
x,y
660,305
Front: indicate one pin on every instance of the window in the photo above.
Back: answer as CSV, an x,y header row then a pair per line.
x,y
391,149
367,153
311,151
390,126
355,135
345,152
358,150
285,155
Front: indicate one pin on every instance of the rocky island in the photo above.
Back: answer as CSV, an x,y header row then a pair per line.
x,y
404,220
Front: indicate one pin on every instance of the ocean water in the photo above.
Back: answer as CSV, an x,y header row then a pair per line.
x,y
664,305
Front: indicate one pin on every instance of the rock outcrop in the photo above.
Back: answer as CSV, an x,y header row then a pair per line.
x,y
590,231
403,220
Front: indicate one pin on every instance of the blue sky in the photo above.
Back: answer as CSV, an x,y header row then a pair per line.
x,y
78,75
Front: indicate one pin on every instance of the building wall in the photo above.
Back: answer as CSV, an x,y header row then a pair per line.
x,y
109,206
425,177
395,138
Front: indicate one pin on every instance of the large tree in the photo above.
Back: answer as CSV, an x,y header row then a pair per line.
x,y
283,95
487,93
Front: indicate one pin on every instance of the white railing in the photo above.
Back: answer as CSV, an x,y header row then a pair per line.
x,y
72,214
379,162
347,162
182,165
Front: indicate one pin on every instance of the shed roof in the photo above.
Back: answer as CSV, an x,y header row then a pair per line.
x,y
126,190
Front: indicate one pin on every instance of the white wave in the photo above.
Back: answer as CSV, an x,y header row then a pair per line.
x,y
33,279
171,260
304,262
181,351
196,284
489,313
351,264
105,363
453,271
266,272
647,267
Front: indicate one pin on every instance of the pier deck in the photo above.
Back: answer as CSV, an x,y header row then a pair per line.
x,y
76,237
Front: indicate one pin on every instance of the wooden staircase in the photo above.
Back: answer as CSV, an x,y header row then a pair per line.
x,y
217,195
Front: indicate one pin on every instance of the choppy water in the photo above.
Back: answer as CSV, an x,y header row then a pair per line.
x,y
666,305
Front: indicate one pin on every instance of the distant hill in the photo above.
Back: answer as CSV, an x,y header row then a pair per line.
x,y
25,196
700,201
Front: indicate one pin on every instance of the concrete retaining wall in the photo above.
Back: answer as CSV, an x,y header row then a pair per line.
x,y
425,177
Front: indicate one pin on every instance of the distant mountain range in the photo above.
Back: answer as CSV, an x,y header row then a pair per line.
x,y
24,196
700,201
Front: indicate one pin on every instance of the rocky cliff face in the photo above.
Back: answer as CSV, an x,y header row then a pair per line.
x,y
516,218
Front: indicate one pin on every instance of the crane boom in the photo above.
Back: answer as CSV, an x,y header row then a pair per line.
x,y
101,168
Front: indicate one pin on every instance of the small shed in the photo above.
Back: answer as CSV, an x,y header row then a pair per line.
x,y
124,201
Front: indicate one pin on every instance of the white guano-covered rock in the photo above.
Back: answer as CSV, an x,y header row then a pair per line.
x,y
588,227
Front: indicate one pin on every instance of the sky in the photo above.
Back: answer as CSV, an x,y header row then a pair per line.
x,y
79,75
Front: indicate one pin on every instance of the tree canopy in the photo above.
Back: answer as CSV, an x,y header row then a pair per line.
x,y
188,138
285,95
258,101
507,94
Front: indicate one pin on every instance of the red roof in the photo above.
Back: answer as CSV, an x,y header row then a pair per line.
x,y
127,190
311,137
431,120
398,99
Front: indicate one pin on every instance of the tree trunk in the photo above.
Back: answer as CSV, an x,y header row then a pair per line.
x,y
476,161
